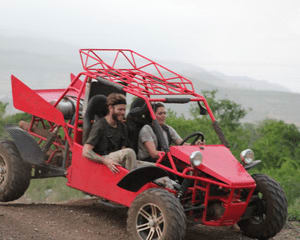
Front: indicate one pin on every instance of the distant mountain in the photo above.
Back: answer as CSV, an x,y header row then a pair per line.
x,y
266,104
261,99
214,79
37,62
259,104
47,64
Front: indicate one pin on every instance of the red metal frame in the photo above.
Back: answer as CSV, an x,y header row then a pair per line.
x,y
146,79
134,72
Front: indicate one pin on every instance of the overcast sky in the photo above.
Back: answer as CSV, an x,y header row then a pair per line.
x,y
255,38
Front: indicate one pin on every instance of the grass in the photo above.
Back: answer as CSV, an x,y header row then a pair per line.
x,y
294,211
51,190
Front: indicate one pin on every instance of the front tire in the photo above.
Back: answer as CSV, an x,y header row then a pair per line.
x,y
15,174
270,211
156,214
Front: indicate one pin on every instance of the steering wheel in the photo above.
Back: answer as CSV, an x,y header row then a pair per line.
x,y
197,135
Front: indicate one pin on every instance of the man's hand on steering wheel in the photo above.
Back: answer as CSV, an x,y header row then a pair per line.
x,y
200,142
199,139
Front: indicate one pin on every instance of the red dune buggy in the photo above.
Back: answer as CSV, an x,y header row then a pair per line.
x,y
213,188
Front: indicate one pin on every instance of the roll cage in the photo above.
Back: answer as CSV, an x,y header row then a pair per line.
x,y
135,74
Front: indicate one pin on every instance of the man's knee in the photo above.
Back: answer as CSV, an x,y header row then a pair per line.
x,y
129,152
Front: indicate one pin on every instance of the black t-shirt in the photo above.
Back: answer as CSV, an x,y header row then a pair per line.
x,y
107,139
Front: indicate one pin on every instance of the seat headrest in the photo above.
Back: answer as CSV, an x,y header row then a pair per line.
x,y
139,111
97,106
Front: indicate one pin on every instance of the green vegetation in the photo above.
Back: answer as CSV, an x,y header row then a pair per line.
x,y
51,190
11,119
276,143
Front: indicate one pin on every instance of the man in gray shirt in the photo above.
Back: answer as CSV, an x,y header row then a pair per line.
x,y
148,143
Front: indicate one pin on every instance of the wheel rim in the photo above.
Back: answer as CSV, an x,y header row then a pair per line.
x,y
150,222
3,170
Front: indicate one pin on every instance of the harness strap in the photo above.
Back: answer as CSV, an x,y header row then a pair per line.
x,y
167,130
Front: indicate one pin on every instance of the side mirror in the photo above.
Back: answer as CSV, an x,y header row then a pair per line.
x,y
203,110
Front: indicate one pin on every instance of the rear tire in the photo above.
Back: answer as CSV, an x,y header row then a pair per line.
x,y
15,174
271,209
156,214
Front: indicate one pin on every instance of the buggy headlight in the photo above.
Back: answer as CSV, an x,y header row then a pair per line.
x,y
196,158
247,156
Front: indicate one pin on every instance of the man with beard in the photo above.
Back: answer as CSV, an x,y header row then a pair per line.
x,y
107,140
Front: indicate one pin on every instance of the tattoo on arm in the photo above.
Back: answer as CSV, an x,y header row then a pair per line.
x,y
90,154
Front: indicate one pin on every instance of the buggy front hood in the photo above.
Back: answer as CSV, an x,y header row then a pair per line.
x,y
218,162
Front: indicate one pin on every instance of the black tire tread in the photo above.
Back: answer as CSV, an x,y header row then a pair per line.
x,y
19,172
172,206
276,213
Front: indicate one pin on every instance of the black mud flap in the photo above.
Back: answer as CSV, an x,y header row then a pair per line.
x,y
137,178
47,171
28,148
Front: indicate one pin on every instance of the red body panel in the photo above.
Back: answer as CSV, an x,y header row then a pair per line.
x,y
218,162
53,95
97,179
233,212
26,100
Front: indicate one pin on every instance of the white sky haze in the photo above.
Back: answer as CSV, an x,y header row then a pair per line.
x,y
255,38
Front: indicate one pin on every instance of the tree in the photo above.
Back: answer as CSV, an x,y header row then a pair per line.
x,y
228,113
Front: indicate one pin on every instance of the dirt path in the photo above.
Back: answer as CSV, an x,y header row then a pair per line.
x,y
92,220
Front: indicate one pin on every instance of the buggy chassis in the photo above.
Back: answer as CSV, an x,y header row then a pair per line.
x,y
219,192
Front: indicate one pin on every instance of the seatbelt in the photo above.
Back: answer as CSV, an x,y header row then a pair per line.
x,y
167,130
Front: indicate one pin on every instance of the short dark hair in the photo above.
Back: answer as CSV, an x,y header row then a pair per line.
x,y
155,106
115,99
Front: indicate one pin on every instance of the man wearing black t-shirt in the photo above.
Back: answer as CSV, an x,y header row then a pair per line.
x,y
107,140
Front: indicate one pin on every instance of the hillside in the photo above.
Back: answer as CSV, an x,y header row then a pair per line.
x,y
46,64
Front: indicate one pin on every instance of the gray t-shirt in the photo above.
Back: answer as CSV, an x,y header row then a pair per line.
x,y
146,134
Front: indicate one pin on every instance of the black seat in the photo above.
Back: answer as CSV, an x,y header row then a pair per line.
x,y
103,89
137,117
96,109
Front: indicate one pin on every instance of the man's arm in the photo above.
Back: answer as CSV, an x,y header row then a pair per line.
x,y
178,141
88,152
150,146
